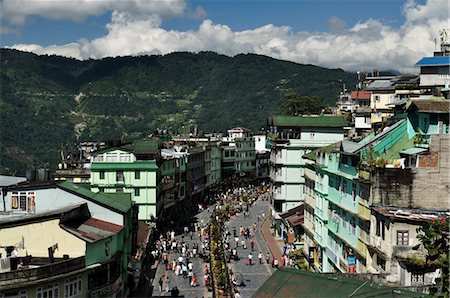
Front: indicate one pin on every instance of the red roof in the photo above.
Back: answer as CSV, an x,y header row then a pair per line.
x,y
296,220
361,95
92,229
103,225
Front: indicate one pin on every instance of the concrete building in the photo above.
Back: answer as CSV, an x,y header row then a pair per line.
x,y
130,169
291,137
70,241
394,247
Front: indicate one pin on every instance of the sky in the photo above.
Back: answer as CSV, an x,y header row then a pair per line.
x,y
352,35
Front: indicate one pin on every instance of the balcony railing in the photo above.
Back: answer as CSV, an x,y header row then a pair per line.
x,y
33,274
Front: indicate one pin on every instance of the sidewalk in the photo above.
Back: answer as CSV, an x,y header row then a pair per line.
x,y
275,246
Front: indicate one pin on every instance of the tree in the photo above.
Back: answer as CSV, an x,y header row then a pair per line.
x,y
295,104
434,237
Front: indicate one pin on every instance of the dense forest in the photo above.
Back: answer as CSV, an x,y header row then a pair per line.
x,y
50,102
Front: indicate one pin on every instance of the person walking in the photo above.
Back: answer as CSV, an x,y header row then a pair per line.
x,y
160,283
267,257
260,256
250,257
252,244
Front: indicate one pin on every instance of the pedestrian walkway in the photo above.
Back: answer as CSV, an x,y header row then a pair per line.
x,y
275,246
169,278
256,274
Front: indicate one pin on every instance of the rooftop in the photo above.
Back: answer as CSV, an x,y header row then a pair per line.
x,y
286,282
434,61
121,202
91,229
410,214
361,95
10,180
307,121
430,106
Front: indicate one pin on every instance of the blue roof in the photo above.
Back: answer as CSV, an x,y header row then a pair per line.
x,y
434,61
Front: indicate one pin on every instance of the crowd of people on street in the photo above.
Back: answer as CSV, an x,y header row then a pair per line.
x,y
177,254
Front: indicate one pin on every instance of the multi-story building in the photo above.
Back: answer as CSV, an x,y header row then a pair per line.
x,y
216,163
70,241
238,152
262,157
291,137
341,200
391,168
435,72
395,249
130,169
195,173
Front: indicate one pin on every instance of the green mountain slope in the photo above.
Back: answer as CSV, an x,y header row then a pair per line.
x,y
49,101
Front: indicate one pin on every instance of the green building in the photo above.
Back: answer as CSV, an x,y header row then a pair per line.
x,y
129,169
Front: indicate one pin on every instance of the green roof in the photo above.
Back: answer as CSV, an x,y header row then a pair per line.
x,y
118,202
286,282
137,165
326,149
307,121
413,151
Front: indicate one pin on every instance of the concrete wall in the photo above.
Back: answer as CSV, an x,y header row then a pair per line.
x,y
38,237
426,187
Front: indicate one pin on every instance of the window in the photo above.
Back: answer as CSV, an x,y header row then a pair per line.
x,y
344,219
102,175
51,291
119,175
380,228
137,174
402,238
23,201
417,278
72,287
377,98
15,200
119,190
381,263
136,192
354,191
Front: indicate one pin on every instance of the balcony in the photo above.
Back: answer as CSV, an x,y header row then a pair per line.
x,y
333,226
276,177
40,269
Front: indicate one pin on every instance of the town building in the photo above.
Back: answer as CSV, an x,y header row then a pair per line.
x,y
396,253
70,240
130,169
290,138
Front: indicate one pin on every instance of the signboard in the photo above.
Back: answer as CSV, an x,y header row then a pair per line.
x,y
311,254
352,269
351,260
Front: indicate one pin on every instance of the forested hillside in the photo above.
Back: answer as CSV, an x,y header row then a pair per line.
x,y
48,102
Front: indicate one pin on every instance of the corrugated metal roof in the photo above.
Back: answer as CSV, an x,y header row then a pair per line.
x,y
307,121
111,202
381,85
92,229
431,106
361,95
434,61
298,283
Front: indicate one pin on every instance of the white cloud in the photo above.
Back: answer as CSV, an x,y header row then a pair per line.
x,y
17,11
367,45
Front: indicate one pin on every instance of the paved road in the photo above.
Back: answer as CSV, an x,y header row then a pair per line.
x,y
255,275
178,281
